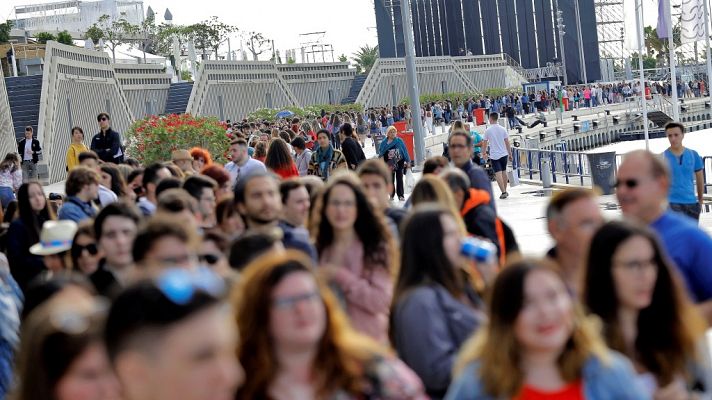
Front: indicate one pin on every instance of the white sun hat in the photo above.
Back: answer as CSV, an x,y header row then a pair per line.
x,y
56,237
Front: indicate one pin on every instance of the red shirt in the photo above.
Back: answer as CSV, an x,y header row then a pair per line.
x,y
572,391
288,172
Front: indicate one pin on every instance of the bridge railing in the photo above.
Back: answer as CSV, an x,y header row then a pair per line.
x,y
555,166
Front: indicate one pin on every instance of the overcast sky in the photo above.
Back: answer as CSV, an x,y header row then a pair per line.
x,y
348,24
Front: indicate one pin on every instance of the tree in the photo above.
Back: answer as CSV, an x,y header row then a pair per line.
x,y
114,32
343,58
65,37
44,37
94,33
365,58
5,31
210,34
290,60
257,44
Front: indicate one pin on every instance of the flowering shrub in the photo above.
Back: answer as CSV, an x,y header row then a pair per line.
x,y
154,138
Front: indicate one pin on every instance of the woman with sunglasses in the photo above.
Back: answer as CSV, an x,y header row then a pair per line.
x,y
646,313
538,344
62,355
24,231
295,343
84,252
356,254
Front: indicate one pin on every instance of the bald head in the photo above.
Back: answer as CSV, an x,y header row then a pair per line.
x,y
642,185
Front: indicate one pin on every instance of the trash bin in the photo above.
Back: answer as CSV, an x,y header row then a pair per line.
x,y
409,140
479,116
603,170
565,100
401,126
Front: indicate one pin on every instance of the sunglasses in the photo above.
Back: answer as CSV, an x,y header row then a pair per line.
x,y
628,183
180,285
210,259
78,250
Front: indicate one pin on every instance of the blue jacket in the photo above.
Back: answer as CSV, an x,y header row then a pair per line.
x,y
431,352
396,143
76,210
614,380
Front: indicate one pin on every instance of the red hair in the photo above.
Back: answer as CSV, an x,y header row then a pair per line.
x,y
199,152
217,172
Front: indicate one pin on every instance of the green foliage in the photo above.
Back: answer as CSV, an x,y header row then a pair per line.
x,y
365,58
94,33
257,44
154,138
186,76
44,37
208,35
290,60
343,58
5,29
65,37
269,114
114,32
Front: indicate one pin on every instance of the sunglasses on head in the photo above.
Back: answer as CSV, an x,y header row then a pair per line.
x,y
629,183
180,285
77,250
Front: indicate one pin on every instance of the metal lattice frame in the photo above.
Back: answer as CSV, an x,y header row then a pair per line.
x,y
610,26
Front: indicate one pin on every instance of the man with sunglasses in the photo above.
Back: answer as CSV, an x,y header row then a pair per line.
x,y
642,191
107,143
686,166
29,150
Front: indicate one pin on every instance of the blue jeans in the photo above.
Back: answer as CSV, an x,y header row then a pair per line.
x,y
691,210
6,196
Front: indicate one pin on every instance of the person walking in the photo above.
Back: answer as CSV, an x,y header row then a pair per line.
x,y
107,143
395,154
497,142
686,166
29,150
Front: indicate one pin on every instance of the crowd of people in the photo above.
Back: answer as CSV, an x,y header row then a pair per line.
x,y
299,277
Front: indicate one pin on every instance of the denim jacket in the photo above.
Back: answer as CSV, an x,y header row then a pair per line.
x,y
76,210
613,379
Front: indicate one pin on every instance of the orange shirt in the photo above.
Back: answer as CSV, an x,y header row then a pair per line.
x,y
572,391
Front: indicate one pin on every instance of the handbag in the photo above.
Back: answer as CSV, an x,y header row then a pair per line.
x,y
513,177
409,181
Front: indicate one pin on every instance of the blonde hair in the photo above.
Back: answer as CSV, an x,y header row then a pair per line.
x,y
495,345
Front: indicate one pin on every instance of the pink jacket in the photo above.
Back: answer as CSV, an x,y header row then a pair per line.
x,y
366,291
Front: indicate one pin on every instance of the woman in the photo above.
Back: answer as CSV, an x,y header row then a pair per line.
x,y
335,128
356,254
295,343
374,128
75,148
361,129
85,253
432,189
24,231
230,222
325,159
222,177
350,147
646,313
212,253
201,158
111,178
395,154
279,159
431,286
62,356
260,151
10,178
539,345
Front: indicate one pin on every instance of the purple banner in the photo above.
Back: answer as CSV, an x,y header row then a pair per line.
x,y
663,18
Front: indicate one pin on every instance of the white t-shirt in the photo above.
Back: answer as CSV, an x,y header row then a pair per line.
x,y
495,136
28,151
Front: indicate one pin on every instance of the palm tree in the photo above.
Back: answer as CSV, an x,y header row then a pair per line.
x,y
365,58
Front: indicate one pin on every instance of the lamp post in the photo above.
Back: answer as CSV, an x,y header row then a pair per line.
x,y
582,56
560,25
413,82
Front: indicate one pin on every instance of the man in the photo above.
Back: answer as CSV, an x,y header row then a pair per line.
x,y
29,150
573,216
115,229
303,155
90,160
460,151
685,166
378,185
295,203
202,189
82,187
242,164
478,216
174,338
642,191
161,243
497,141
177,204
107,143
257,199
152,176
184,161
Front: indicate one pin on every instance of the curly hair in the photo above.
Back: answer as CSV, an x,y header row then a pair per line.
x,y
199,152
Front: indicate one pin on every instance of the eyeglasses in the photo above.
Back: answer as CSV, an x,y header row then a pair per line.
x,y
288,302
210,259
180,285
637,265
628,183
78,250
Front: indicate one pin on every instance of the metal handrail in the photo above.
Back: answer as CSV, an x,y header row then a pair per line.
x,y
566,165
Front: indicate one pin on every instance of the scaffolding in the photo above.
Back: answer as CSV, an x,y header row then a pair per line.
x,y
75,16
611,30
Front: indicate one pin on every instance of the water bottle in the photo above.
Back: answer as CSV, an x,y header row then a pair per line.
x,y
482,251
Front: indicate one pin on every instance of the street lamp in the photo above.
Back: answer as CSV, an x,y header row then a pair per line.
x,y
560,25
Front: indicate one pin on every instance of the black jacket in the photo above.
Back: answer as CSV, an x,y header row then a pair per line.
x,y
353,153
36,150
108,146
